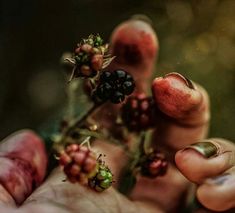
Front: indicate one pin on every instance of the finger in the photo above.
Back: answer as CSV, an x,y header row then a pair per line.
x,y
184,111
5,198
218,193
75,197
135,45
169,192
205,159
23,164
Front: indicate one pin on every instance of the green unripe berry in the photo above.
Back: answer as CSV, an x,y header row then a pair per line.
x,y
102,180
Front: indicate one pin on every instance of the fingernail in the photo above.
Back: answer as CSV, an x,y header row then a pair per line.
x,y
219,180
142,17
207,149
188,82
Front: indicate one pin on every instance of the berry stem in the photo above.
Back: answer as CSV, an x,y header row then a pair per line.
x,y
72,89
74,125
141,149
104,137
128,178
79,121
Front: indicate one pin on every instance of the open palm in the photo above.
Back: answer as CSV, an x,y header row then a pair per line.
x,y
182,119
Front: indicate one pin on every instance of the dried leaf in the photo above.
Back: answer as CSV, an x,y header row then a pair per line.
x,y
107,62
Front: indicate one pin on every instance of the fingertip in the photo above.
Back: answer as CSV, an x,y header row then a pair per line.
x,y
202,160
28,146
134,41
176,96
135,45
217,193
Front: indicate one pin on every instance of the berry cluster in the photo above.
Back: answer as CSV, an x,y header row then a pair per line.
x,y
79,163
154,164
138,112
114,86
89,56
102,180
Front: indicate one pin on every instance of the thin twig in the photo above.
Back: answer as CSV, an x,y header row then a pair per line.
x,y
72,74
78,122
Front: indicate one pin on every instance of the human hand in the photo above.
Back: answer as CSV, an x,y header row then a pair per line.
x,y
182,120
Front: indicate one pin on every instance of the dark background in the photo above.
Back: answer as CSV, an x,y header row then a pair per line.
x,y
196,39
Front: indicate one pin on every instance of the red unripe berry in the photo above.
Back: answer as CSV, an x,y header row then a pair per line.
x,y
65,159
86,48
97,62
79,163
86,71
77,50
71,148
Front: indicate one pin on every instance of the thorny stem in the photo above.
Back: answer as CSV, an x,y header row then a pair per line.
x,y
72,95
128,178
78,122
104,137
140,151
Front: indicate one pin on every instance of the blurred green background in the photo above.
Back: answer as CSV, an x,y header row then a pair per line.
x,y
196,39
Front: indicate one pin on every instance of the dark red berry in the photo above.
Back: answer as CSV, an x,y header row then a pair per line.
x,y
86,48
138,113
97,62
154,164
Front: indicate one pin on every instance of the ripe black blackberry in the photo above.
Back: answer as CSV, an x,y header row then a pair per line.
x,y
138,113
153,164
114,86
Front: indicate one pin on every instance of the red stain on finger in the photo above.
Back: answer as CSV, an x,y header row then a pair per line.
x,y
135,45
23,163
175,96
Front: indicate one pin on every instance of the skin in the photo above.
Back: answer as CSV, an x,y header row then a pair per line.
x,y
183,116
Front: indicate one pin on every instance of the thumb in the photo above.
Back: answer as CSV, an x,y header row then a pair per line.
x,y
184,111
